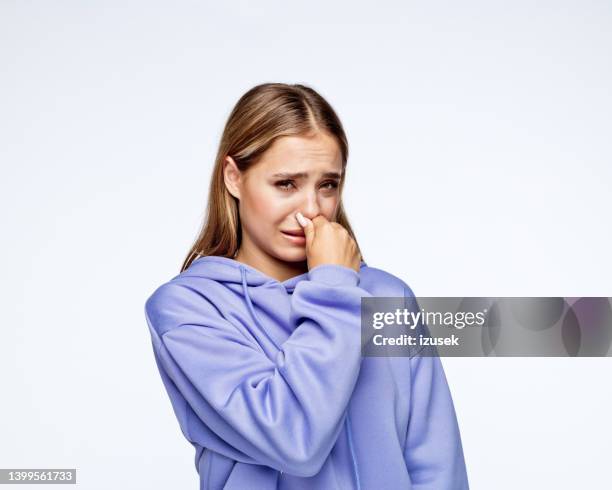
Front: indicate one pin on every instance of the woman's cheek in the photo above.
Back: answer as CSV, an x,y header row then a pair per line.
x,y
266,210
329,208
257,201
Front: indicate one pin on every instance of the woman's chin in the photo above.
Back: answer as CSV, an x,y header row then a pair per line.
x,y
292,254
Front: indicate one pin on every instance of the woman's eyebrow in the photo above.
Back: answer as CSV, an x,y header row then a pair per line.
x,y
303,175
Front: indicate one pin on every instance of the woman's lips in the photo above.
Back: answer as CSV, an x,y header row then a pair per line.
x,y
295,232
295,239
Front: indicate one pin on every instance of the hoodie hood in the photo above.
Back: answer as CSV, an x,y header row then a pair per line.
x,y
230,271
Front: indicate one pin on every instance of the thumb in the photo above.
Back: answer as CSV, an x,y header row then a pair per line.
x,y
308,228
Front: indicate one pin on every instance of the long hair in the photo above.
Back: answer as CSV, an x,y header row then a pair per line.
x,y
263,114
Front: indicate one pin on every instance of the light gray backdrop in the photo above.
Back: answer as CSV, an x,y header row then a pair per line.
x,y
480,165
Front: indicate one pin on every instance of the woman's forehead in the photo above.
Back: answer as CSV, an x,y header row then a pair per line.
x,y
304,155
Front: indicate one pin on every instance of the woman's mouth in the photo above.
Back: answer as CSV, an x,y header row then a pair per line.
x,y
295,236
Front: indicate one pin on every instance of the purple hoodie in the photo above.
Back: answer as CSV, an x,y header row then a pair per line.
x,y
268,383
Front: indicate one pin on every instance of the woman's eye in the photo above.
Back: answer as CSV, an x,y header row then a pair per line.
x,y
332,184
284,184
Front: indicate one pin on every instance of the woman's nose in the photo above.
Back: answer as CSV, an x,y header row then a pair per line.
x,y
310,206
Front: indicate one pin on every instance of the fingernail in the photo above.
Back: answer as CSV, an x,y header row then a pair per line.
x,y
301,219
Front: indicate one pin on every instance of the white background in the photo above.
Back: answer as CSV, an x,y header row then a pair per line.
x,y
479,164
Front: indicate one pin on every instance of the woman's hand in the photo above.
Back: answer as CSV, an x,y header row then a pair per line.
x,y
328,242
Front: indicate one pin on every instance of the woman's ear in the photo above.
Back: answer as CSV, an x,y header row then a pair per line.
x,y
232,177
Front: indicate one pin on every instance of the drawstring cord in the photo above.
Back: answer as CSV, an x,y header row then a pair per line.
x,y
251,309
347,421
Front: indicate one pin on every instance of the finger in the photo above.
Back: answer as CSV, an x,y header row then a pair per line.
x,y
308,227
319,222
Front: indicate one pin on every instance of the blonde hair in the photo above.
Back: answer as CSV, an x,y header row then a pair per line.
x,y
264,113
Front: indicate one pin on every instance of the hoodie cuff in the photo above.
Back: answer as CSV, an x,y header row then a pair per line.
x,y
334,275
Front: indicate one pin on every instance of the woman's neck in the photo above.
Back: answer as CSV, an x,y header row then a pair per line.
x,y
271,266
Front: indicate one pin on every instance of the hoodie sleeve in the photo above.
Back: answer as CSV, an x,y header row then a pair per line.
x,y
433,450
284,413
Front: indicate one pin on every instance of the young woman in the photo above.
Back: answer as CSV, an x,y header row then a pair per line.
x,y
258,339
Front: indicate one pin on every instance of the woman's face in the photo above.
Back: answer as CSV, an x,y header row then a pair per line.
x,y
296,173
